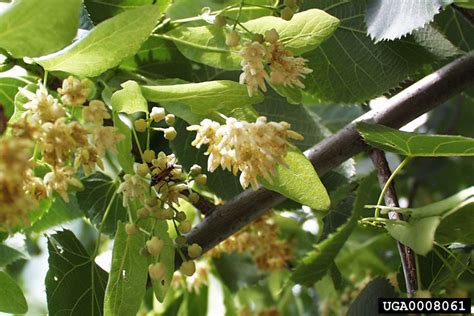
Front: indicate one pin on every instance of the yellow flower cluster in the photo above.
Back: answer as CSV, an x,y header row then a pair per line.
x,y
260,240
285,69
19,189
253,148
63,143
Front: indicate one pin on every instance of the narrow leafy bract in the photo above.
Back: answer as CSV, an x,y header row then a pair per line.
x,y
415,144
128,275
124,147
33,28
203,97
160,288
75,285
303,33
106,45
130,99
287,181
12,299
389,20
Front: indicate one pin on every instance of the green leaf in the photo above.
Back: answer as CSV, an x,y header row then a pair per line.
x,y
389,20
335,116
303,33
314,266
32,28
12,299
415,144
128,275
418,234
366,302
75,285
130,99
468,4
106,45
166,257
9,255
8,90
435,42
349,67
103,10
203,97
206,44
124,147
99,190
58,213
457,29
458,226
288,181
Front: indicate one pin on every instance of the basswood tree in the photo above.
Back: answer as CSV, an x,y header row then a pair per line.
x,y
230,155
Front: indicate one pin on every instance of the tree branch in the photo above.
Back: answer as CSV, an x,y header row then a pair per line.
x,y
402,108
406,254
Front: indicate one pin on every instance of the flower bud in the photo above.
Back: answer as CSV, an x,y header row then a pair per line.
x,y
272,36
140,125
154,246
286,13
143,213
157,113
181,216
131,229
220,21
157,271
170,133
142,169
170,119
148,155
195,170
144,252
188,268
152,202
232,39
184,227
201,179
194,251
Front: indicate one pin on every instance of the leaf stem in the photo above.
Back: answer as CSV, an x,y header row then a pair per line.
x,y
389,181
238,15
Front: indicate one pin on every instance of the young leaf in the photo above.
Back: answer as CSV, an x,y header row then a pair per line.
x,y
299,182
415,144
106,45
74,283
9,255
203,97
12,299
303,33
166,257
366,302
128,275
96,198
389,20
32,28
349,67
130,99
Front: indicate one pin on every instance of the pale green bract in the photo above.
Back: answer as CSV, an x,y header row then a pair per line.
x,y
106,45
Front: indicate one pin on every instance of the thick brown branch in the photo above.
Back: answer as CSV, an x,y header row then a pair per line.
x,y
406,254
404,107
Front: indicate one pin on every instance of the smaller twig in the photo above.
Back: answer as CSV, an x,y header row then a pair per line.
x,y
406,254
